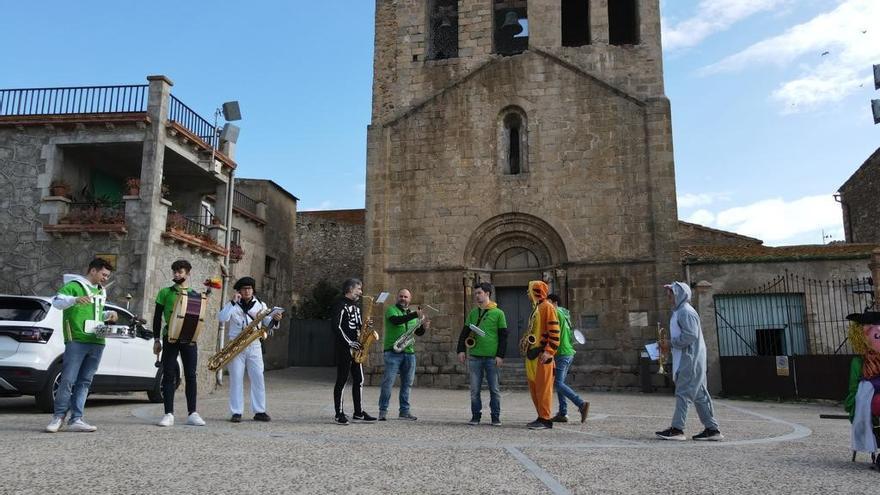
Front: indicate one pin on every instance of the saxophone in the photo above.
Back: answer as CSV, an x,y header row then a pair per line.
x,y
248,334
528,339
367,335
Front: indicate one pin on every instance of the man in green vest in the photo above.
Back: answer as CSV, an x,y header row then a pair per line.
x,y
564,357
485,353
401,323
82,299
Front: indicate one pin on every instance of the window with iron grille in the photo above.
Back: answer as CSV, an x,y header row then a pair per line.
x,y
442,29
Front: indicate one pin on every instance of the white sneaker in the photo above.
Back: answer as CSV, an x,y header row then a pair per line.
x,y
195,420
167,420
55,424
80,425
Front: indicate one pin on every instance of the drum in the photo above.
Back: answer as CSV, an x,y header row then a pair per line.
x,y
188,317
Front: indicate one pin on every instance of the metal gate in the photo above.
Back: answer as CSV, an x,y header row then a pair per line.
x,y
788,337
311,343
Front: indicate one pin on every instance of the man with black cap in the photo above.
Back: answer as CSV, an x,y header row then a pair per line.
x,y
239,313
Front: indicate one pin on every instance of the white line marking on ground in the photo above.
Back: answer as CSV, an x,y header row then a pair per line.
x,y
552,483
798,431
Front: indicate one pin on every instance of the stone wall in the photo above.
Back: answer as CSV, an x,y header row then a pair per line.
x,y
861,208
329,247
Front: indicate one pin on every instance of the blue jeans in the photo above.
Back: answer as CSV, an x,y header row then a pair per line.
x,y
477,367
405,364
563,391
78,367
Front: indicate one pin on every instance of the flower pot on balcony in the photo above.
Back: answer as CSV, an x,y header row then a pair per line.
x,y
132,186
59,188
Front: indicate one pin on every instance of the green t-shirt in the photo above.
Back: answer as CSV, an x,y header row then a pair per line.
x,y
393,332
75,317
565,333
167,297
489,321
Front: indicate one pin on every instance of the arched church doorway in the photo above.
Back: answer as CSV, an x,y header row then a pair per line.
x,y
509,251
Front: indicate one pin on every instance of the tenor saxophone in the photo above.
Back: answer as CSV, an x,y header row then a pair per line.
x,y
367,335
248,334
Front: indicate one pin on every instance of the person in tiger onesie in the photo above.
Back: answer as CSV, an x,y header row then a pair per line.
x,y
539,346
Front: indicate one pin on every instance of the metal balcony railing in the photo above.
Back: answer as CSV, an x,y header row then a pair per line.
x,y
73,100
243,201
193,122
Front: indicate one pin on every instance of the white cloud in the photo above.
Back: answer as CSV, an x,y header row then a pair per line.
x,y
849,38
324,205
776,221
712,16
702,217
690,200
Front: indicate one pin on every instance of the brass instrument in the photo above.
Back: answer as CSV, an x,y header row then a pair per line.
x,y
525,342
248,334
661,360
408,337
472,338
367,335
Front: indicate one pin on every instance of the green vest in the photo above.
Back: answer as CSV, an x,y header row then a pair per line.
x,y
393,332
75,317
565,332
489,321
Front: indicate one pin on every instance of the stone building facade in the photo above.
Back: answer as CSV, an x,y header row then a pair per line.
x,y
514,140
858,197
122,172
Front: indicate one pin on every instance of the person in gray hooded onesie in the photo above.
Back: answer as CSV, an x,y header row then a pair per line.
x,y
688,367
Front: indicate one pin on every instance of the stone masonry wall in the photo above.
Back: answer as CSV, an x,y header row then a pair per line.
x,y
861,208
329,248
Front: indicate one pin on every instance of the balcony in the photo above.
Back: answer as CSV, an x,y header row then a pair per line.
x,y
86,218
193,233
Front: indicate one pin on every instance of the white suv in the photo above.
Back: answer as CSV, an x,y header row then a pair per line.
x,y
32,346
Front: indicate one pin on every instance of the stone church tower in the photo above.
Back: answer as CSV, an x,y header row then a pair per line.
x,y
514,140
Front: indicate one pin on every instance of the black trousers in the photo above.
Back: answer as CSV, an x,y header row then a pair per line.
x,y
189,354
346,366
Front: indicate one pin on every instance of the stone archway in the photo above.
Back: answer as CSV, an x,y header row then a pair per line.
x,y
514,231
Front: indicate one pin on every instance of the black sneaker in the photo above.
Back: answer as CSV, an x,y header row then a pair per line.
x,y
711,435
362,417
671,434
262,417
540,424
475,420
383,416
559,418
496,421
341,419
407,415
585,410
236,418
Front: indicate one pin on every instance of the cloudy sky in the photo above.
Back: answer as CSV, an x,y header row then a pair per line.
x,y
771,110
770,98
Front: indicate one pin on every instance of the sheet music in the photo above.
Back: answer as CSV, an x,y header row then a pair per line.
x,y
653,351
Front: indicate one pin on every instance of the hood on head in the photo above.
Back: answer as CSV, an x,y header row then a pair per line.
x,y
538,290
681,292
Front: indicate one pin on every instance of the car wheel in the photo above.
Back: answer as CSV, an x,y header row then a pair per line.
x,y
45,398
155,394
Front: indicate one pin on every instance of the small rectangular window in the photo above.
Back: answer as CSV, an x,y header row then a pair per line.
x,y
623,22
575,22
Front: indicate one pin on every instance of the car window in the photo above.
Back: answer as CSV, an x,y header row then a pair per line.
x,y
124,316
22,309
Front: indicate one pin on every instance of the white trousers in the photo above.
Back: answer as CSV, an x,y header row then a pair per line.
x,y
252,359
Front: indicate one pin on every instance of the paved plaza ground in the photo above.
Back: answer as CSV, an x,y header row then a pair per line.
x,y
769,448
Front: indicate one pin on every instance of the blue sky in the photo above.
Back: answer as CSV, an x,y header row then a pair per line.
x,y
766,128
